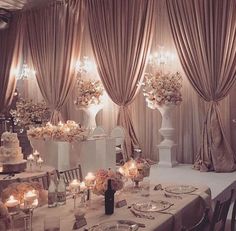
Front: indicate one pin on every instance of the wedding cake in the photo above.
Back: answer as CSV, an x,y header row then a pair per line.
x,y
11,156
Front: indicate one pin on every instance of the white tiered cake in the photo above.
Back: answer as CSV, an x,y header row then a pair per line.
x,y
11,156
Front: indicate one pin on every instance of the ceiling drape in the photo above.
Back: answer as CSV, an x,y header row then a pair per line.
x,y
121,33
204,33
11,41
54,35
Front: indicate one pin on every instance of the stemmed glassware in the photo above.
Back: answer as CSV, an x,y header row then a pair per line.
x,y
74,188
30,203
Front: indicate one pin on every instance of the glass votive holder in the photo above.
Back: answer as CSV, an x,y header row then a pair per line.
x,y
145,187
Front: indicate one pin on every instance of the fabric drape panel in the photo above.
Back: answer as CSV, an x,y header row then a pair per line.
x,y
10,49
121,36
205,37
54,35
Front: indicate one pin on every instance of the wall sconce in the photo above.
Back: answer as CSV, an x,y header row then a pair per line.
x,y
26,72
85,65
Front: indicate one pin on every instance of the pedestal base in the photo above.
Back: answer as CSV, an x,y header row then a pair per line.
x,y
167,156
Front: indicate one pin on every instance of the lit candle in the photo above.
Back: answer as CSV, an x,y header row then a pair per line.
x,y
89,179
82,186
12,202
132,170
30,196
90,176
40,161
74,184
30,157
48,124
60,124
1,168
121,171
35,203
36,153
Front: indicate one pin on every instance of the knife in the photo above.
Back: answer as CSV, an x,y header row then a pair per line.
x,y
124,222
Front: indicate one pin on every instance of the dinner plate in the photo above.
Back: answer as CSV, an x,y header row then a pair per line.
x,y
116,225
152,206
180,189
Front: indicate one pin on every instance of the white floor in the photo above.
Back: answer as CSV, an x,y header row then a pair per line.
x,y
219,183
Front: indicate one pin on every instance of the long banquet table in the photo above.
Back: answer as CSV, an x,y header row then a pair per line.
x,y
186,210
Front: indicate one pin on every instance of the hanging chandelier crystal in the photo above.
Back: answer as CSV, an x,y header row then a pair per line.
x,y
26,72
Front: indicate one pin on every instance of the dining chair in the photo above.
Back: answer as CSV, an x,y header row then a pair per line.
x,y
220,213
71,174
118,133
201,225
42,180
98,131
233,217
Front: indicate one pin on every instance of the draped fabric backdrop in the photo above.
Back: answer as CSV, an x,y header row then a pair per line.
x,y
204,34
55,34
11,41
121,36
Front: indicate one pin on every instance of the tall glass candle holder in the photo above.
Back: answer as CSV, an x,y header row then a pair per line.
x,y
12,205
30,203
74,187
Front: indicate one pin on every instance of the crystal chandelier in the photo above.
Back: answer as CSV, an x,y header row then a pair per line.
x,y
26,72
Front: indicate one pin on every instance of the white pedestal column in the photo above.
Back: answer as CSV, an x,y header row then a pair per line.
x,y
91,112
167,147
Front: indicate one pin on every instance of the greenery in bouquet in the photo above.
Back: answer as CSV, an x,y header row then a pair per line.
x,y
29,113
88,92
101,178
162,88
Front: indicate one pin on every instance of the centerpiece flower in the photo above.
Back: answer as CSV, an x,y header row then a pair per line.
x,y
162,89
101,178
88,92
135,170
70,131
29,113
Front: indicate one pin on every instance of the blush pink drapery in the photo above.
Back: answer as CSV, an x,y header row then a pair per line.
x,y
121,33
11,41
204,34
55,34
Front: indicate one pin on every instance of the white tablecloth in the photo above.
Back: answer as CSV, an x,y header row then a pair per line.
x,y
92,154
185,211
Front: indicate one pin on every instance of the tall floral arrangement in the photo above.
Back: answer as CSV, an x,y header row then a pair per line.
x,y
88,92
162,88
29,113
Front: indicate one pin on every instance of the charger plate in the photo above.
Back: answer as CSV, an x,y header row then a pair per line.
x,y
115,226
180,189
152,206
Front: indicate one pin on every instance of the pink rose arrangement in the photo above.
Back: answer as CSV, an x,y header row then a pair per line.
x,y
101,178
162,88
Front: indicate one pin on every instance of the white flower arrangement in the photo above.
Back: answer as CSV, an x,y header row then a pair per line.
x,y
29,113
70,131
88,92
162,88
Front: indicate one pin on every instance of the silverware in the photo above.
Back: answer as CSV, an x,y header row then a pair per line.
x,y
173,196
141,225
142,215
